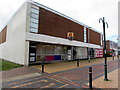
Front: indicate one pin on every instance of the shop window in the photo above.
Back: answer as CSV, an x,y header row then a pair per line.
x,y
33,25
34,17
33,20
34,10
36,7
33,30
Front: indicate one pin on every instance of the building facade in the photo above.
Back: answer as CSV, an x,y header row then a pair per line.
x,y
36,33
111,48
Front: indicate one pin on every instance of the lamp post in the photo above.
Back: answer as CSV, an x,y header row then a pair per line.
x,y
104,50
88,43
117,49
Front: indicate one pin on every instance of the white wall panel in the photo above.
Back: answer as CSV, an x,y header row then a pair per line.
x,y
14,47
56,40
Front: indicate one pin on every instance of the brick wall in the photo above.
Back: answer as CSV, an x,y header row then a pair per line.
x,y
3,35
58,26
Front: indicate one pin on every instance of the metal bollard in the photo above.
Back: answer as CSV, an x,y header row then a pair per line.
x,y
90,77
113,57
42,66
78,62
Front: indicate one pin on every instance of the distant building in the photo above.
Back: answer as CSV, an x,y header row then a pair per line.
x,y
36,33
111,47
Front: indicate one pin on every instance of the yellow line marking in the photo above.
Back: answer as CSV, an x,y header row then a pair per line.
x,y
29,83
63,86
20,77
22,81
55,80
51,84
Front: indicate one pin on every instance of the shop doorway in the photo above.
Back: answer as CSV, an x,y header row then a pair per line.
x,y
32,53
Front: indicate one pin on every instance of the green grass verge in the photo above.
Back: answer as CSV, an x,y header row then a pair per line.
x,y
6,65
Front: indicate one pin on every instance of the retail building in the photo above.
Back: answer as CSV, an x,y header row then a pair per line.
x,y
36,33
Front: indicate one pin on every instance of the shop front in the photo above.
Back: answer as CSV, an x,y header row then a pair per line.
x,y
53,52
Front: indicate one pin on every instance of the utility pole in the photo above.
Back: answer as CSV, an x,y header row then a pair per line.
x,y
104,49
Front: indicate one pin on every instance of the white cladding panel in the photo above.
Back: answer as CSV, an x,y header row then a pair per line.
x,y
81,52
14,47
56,40
1,50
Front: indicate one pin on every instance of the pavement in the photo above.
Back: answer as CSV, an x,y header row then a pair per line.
x,y
66,65
111,83
18,72
62,75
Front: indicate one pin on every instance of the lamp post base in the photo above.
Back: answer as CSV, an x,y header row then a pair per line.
x,y
106,79
105,67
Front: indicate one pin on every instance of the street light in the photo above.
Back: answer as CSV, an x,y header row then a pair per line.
x,y
104,50
88,43
117,49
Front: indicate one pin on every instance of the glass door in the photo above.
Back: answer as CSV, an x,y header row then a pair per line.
x,y
32,53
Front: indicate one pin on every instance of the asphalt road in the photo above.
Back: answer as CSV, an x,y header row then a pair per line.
x,y
73,78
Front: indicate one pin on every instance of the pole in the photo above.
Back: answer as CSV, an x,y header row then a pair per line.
x,y
78,62
117,50
113,54
118,54
88,43
104,49
72,51
42,66
90,77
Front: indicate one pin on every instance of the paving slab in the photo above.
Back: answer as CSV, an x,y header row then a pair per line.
x,y
111,83
66,65
72,78
18,72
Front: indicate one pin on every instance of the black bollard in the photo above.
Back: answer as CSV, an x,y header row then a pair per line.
x,y
42,66
78,62
113,56
90,77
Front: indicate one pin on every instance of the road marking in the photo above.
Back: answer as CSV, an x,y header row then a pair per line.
x,y
65,80
29,83
25,81
19,77
56,80
51,84
63,86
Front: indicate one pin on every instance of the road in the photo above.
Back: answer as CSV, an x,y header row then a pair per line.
x,y
73,78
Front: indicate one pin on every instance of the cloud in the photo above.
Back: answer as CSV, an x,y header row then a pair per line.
x,y
7,9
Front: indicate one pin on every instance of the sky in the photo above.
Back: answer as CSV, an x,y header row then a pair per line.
x,y
86,11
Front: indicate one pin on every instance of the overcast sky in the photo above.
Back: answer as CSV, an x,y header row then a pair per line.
x,y
85,11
